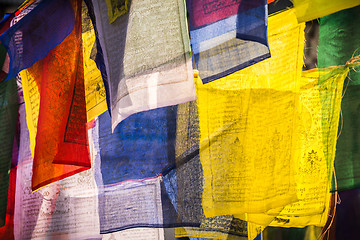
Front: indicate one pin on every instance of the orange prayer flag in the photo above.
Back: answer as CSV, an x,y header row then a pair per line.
x,y
61,148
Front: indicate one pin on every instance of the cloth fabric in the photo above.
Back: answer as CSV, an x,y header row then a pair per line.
x,y
4,57
150,171
339,40
307,10
144,69
307,233
272,117
8,119
129,162
7,231
227,36
140,146
95,94
116,9
40,31
96,52
247,128
67,209
184,184
55,99
320,92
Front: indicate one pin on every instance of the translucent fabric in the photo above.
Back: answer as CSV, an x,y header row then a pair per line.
x,y
144,69
307,10
95,94
268,137
40,30
55,99
227,36
187,183
66,209
320,99
248,127
339,40
140,147
150,171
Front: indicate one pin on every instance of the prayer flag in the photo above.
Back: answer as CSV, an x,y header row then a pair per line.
x,y
319,110
95,94
145,69
339,40
55,102
227,36
66,209
162,145
307,10
184,184
8,120
248,129
40,30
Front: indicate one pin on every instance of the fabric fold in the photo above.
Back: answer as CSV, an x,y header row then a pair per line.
x,y
55,102
227,36
145,69
248,130
40,30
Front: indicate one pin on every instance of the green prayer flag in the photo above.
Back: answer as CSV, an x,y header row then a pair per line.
x,y
339,41
8,120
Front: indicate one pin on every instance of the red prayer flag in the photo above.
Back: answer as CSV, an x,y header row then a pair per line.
x,y
61,148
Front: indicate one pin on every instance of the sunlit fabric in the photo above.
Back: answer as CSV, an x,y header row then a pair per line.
x,y
40,31
339,40
145,69
96,52
319,110
227,36
268,140
66,209
95,94
184,184
307,10
151,172
55,103
248,127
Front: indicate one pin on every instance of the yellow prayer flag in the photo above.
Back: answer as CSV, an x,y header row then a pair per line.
x,y
307,10
319,110
95,94
248,126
